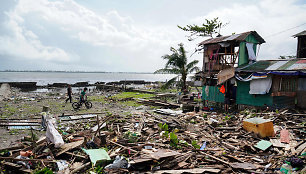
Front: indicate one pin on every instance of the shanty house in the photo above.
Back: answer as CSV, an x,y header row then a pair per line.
x,y
230,61
301,44
274,83
221,56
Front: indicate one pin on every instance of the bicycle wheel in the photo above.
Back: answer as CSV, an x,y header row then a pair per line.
x,y
75,105
88,104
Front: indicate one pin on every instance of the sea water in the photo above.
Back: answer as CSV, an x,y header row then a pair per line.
x,y
44,78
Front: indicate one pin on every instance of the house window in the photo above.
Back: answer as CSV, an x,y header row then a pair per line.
x,y
284,86
288,84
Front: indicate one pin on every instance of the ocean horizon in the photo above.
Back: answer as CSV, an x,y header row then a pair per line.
x,y
50,77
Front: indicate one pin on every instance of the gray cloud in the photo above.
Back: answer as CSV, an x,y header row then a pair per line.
x,y
67,35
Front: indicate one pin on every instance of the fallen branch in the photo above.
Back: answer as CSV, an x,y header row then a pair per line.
x,y
123,146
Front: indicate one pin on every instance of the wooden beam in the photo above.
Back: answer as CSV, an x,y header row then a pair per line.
x,y
32,160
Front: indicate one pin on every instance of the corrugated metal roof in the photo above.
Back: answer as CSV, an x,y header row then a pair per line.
x,y
303,33
275,65
235,37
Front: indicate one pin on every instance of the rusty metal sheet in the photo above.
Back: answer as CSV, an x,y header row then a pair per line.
x,y
225,74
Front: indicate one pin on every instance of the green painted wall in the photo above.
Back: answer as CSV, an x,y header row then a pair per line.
x,y
213,95
243,55
243,96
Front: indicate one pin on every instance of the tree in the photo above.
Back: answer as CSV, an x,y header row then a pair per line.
x,y
207,29
177,64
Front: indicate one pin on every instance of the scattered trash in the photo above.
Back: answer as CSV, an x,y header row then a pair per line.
x,y
260,126
26,153
157,140
62,165
53,135
96,155
203,146
286,168
263,145
284,136
119,163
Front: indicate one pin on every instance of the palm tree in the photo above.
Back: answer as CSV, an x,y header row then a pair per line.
x,y
177,64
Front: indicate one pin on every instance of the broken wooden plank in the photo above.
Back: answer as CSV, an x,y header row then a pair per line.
x,y
162,153
226,128
12,166
21,146
215,158
76,155
195,170
32,160
69,146
245,166
123,146
80,168
300,148
277,143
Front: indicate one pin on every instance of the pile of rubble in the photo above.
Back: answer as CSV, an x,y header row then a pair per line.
x,y
164,141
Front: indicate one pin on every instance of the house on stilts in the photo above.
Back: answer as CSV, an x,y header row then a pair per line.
x,y
230,65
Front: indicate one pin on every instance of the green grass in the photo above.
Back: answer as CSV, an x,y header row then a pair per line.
x,y
134,95
96,99
130,103
123,95
7,110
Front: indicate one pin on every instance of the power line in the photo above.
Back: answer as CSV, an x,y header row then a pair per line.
x,y
285,30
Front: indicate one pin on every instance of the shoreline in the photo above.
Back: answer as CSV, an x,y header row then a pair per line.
x,y
33,85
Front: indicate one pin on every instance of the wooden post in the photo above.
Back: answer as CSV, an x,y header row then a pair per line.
x,y
98,125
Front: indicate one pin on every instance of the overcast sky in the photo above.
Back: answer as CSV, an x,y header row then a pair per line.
x,y
131,36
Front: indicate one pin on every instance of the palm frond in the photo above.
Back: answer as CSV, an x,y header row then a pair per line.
x,y
194,69
190,65
169,83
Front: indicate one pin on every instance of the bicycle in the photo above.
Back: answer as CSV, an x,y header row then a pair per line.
x,y
78,105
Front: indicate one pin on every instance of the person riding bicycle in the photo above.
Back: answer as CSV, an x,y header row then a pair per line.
x,y
83,95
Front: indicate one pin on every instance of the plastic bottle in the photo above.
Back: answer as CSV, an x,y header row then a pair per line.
x,y
286,168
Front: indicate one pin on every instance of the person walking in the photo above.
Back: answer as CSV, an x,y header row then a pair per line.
x,y
69,93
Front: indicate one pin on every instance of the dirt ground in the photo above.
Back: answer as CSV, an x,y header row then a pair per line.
x,y
15,104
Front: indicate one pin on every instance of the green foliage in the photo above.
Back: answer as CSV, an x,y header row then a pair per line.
x,y
177,64
45,170
276,111
4,152
173,140
108,114
208,28
13,132
131,136
193,121
184,143
204,115
194,144
163,127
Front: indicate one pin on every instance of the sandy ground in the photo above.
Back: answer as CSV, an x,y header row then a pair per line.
x,y
27,105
